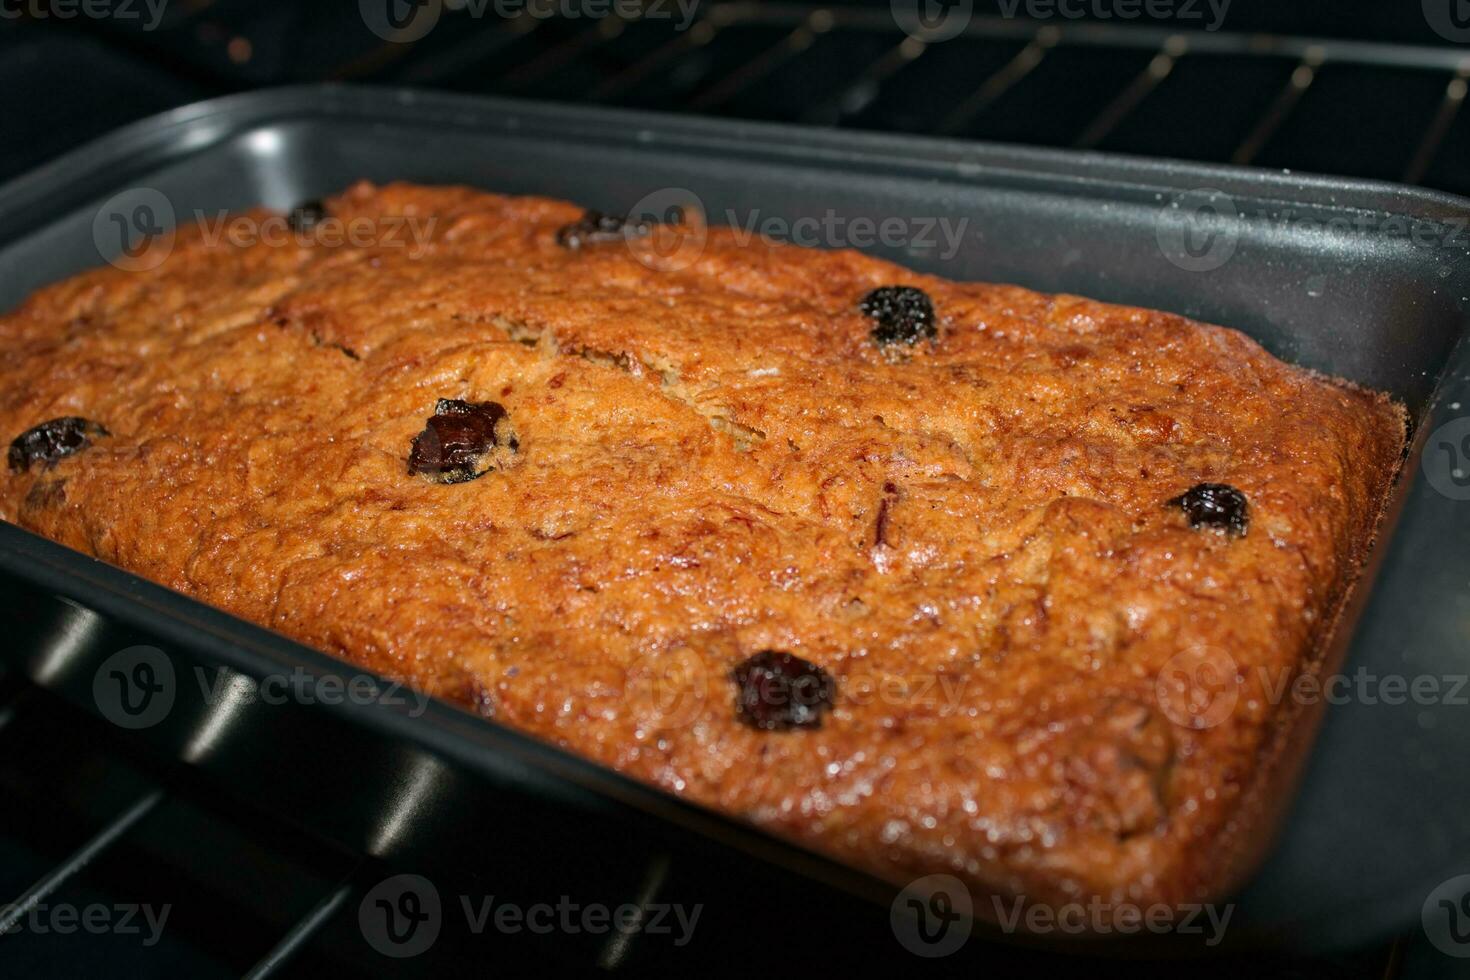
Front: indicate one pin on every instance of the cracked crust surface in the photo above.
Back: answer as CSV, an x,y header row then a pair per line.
x,y
717,460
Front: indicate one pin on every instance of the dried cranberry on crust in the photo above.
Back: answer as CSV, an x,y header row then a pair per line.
x,y
777,691
901,315
461,442
52,440
594,227
1218,506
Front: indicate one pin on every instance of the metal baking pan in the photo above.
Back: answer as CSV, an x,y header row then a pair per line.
x,y
1361,280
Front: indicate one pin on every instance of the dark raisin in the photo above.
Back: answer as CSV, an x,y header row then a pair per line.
x,y
53,440
462,441
903,315
776,691
1215,505
307,215
595,227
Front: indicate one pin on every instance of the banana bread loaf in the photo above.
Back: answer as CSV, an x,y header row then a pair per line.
x,y
930,576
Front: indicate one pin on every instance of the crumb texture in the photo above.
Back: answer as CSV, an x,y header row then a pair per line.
x,y
971,538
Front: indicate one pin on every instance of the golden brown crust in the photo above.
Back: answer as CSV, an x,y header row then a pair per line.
x,y
704,454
